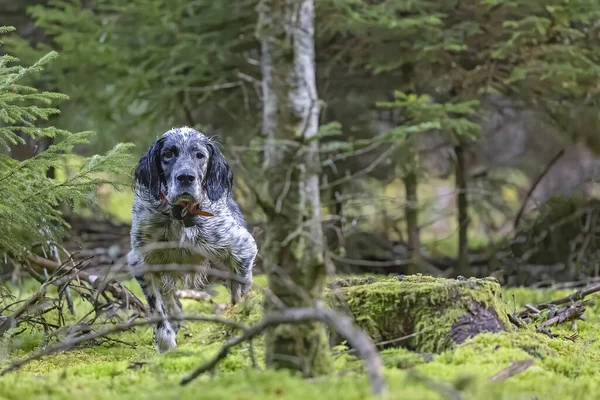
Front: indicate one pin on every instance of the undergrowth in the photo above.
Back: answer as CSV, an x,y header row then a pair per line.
x,y
130,369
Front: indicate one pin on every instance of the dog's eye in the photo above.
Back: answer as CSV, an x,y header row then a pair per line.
x,y
168,154
199,155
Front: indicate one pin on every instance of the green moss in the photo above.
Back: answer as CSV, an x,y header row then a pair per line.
x,y
351,281
131,369
556,362
422,306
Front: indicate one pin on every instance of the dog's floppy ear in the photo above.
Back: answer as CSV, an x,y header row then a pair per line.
x,y
148,172
219,178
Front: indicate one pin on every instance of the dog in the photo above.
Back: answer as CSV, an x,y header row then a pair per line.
x,y
182,169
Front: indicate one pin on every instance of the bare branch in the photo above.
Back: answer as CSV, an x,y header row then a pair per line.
x,y
13,320
363,172
572,298
342,324
213,88
117,290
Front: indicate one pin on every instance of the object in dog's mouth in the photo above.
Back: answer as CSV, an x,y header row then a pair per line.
x,y
193,209
183,208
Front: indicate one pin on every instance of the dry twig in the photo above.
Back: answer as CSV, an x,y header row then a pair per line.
x,y
13,320
573,309
117,290
513,369
571,299
565,314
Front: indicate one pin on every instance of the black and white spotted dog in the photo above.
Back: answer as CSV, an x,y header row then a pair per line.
x,y
185,167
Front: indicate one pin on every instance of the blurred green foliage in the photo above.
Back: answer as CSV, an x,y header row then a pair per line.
x,y
134,68
31,202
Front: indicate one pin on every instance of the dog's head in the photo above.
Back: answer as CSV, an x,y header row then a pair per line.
x,y
184,165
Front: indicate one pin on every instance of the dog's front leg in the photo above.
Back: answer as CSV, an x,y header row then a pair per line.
x,y
164,332
174,308
243,254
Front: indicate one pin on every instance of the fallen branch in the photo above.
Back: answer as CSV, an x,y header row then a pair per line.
x,y
193,295
13,320
573,310
567,314
579,295
572,298
513,369
342,324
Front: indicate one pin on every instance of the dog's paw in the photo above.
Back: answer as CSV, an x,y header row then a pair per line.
x,y
166,339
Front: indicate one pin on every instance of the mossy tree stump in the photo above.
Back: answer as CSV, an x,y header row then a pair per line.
x,y
435,313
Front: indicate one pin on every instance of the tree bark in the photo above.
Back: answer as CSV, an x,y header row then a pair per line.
x,y
293,248
411,213
463,213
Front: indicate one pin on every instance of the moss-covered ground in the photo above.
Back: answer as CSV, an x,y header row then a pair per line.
x,y
421,308
130,369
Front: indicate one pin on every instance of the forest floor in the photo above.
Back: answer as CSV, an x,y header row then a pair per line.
x,y
127,367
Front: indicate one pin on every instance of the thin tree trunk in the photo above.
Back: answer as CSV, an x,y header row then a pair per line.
x,y
463,215
411,213
271,93
293,248
332,235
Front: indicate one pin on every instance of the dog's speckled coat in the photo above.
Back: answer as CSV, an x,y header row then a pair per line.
x,y
184,164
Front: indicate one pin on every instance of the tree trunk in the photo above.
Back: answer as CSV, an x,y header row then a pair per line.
x,y
411,213
463,214
293,248
332,234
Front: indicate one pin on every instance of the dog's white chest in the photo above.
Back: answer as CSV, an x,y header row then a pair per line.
x,y
176,245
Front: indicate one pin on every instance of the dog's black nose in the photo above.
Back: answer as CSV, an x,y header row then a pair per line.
x,y
186,178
